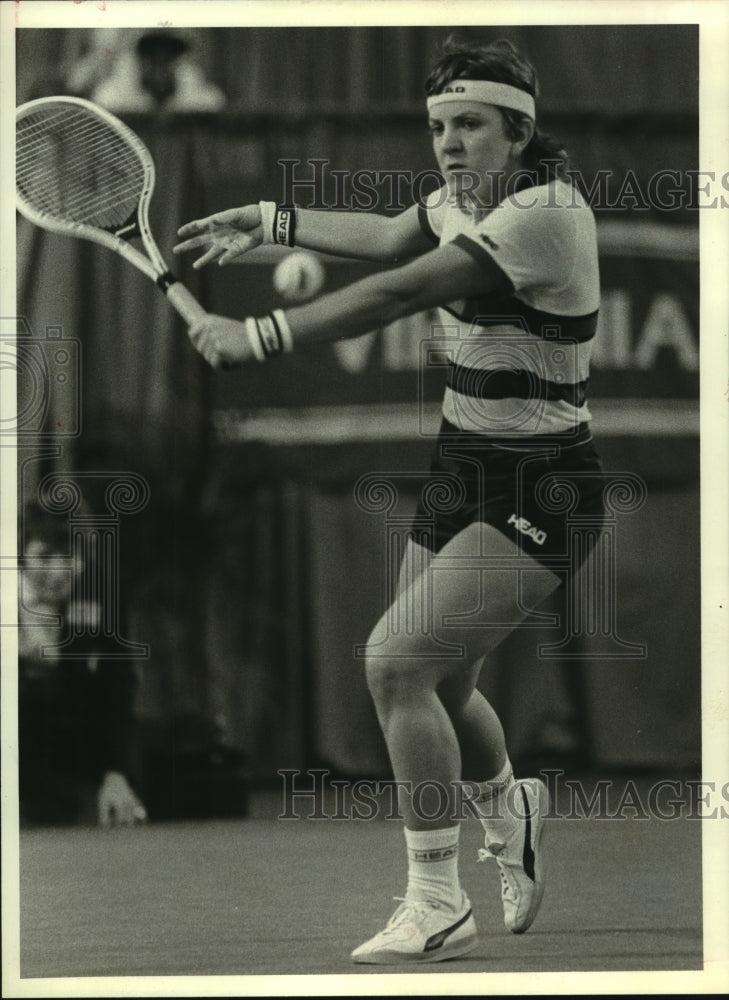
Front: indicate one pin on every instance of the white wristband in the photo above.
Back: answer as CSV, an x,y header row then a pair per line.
x,y
287,339
254,339
268,214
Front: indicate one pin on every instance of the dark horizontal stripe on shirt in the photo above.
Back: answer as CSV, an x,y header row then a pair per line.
x,y
499,309
488,384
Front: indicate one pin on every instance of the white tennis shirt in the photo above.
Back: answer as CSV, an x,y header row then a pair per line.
x,y
519,363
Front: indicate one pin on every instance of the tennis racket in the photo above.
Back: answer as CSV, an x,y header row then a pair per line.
x,y
82,172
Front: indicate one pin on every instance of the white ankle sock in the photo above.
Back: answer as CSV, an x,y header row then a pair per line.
x,y
433,865
495,805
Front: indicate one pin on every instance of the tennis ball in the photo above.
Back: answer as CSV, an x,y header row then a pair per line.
x,y
298,276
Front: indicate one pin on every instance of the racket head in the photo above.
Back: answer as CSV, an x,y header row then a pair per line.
x,y
82,172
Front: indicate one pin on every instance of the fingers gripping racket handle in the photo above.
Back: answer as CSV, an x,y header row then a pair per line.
x,y
185,303
189,308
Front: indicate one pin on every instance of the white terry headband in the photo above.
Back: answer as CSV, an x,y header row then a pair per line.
x,y
486,92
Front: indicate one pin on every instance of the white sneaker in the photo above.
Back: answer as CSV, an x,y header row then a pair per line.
x,y
421,932
518,860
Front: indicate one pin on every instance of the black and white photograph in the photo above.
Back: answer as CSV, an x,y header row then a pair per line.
x,y
304,692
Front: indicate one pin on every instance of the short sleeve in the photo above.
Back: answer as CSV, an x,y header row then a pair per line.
x,y
532,238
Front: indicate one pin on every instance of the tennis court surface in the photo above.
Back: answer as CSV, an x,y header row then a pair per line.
x,y
266,897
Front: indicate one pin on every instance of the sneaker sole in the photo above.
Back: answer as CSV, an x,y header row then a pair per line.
x,y
457,950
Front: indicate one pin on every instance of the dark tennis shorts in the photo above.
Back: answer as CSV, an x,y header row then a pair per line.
x,y
544,493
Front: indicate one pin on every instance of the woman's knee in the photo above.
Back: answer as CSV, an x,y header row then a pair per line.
x,y
400,666
391,676
394,669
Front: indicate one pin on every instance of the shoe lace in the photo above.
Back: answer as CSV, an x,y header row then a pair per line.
x,y
508,888
408,911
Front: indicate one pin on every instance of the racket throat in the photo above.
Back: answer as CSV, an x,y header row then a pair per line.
x,y
165,280
131,228
127,232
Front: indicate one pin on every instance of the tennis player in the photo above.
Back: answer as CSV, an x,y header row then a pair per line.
x,y
508,249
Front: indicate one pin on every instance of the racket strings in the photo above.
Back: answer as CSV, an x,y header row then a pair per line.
x,y
90,142
105,193
73,166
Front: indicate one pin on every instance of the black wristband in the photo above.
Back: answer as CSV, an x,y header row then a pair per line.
x,y
284,225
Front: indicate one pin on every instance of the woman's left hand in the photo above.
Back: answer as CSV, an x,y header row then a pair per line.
x,y
222,342
225,236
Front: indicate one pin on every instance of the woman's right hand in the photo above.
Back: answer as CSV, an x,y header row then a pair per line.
x,y
225,236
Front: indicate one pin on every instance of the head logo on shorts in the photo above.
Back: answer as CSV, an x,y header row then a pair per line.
x,y
527,528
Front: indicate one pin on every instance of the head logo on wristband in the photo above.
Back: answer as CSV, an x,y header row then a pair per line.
x,y
278,223
284,225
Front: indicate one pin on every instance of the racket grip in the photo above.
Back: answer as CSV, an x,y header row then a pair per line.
x,y
189,308
185,303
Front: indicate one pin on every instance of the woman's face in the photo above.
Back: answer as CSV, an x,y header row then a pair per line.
x,y
473,150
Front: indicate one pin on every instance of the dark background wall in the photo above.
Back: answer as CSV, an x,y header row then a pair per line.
x,y
252,572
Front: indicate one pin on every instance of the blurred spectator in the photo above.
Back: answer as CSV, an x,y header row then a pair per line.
x,y
155,71
75,716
